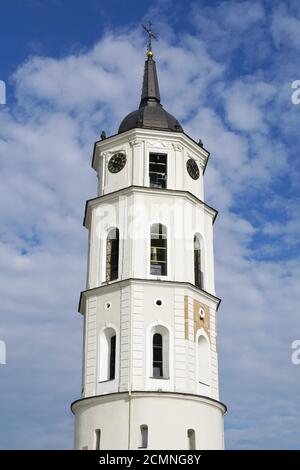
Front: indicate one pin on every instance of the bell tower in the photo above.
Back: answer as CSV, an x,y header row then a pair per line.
x,y
150,362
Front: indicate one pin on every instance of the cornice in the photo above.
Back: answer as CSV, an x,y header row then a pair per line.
x,y
140,393
117,284
155,191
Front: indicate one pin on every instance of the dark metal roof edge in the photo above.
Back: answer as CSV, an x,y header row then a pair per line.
x,y
163,129
85,210
94,153
163,392
133,186
196,143
204,169
80,300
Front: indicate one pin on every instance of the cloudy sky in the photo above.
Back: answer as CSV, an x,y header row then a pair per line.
x,y
73,68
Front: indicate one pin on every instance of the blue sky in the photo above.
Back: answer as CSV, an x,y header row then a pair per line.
x,y
225,71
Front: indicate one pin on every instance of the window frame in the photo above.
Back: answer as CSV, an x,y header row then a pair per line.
x,y
104,354
109,263
164,331
97,439
112,357
165,178
144,438
157,348
198,261
191,435
167,381
163,236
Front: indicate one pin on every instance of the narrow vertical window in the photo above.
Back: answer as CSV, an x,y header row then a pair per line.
x,y
198,274
97,438
112,358
158,256
112,254
191,439
144,436
157,355
158,170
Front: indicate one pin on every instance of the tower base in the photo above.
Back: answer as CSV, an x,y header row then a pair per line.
x,y
169,417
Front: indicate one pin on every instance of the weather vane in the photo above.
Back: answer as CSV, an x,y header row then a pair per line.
x,y
150,34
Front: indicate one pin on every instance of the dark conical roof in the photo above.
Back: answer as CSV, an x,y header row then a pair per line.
x,y
150,90
150,114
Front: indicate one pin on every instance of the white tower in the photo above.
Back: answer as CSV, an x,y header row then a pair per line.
x,y
150,364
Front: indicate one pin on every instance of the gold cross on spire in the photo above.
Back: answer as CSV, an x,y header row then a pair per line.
x,y
149,32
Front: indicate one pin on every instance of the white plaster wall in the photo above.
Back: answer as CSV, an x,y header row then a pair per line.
x,y
125,346
111,416
133,213
166,429
137,145
191,346
133,312
90,349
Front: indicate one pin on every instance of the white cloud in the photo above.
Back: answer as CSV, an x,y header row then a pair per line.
x,y
245,104
231,25
285,28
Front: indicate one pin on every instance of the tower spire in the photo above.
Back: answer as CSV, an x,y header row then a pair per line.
x,y
150,114
150,91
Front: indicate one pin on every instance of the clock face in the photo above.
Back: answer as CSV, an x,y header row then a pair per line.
x,y
117,162
193,169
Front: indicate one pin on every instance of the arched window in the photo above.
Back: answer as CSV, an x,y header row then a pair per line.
x,y
158,256
144,436
112,254
204,364
160,352
191,439
107,355
198,273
